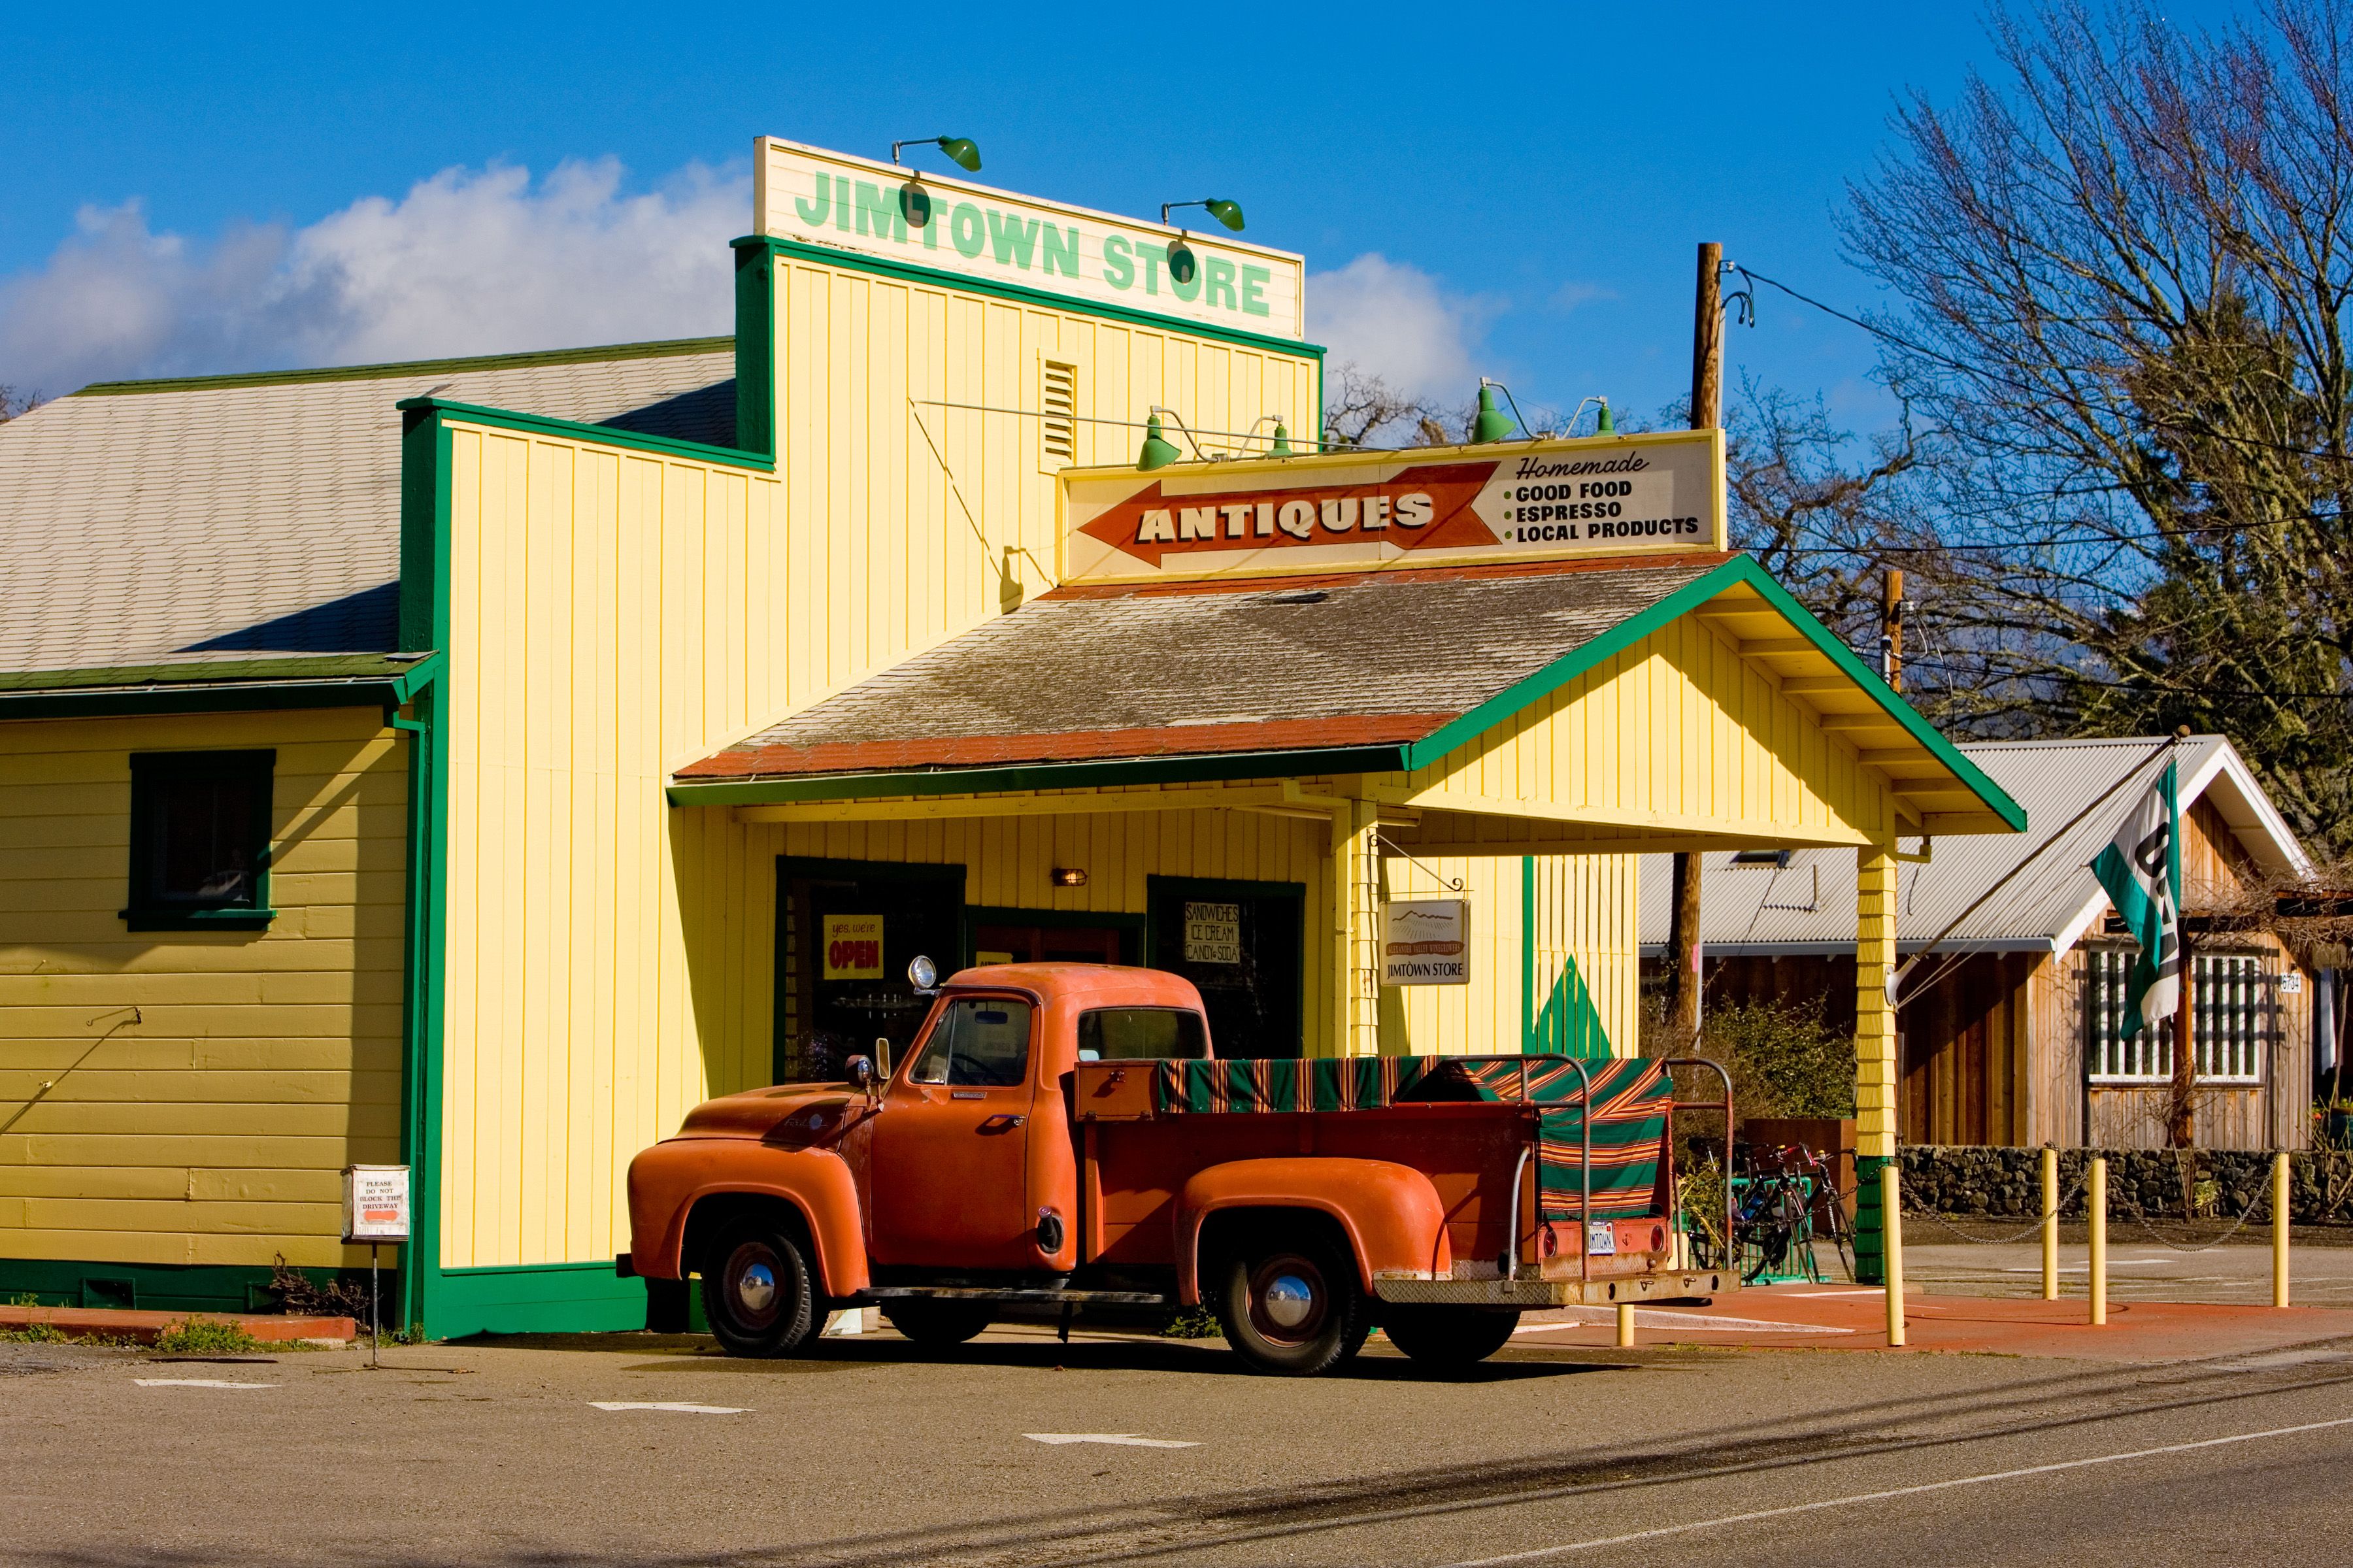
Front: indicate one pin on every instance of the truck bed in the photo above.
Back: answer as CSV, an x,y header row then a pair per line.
x,y
1589,1221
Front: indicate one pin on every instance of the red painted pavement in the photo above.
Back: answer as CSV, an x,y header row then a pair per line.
x,y
144,1327
1854,1318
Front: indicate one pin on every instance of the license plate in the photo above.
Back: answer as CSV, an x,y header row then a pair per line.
x,y
1601,1238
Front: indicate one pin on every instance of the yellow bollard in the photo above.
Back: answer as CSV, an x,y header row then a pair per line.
x,y
1625,1326
1891,1220
2282,1202
2050,1223
2096,1199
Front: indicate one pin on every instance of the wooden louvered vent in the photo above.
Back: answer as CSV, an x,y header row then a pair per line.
x,y
1058,425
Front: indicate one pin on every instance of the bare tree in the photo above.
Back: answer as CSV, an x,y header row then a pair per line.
x,y
1360,409
12,402
2124,273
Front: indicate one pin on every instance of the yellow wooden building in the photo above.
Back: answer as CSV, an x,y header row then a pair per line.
x,y
475,765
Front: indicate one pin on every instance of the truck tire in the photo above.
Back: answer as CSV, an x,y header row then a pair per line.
x,y
1448,1336
1290,1305
756,1294
938,1325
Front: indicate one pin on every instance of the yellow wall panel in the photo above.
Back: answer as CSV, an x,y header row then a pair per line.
x,y
260,1063
1675,734
616,615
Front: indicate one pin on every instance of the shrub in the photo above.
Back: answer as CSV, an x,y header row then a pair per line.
x,y
206,1336
1784,1061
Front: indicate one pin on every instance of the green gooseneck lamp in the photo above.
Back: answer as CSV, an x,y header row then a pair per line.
x,y
1158,451
962,149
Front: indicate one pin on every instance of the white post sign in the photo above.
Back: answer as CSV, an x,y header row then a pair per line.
x,y
375,1202
1426,942
1213,933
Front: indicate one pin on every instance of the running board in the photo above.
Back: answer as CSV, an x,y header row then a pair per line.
x,y
875,1295
1533,1291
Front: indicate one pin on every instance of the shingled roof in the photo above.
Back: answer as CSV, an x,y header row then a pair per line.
x,y
1212,669
146,525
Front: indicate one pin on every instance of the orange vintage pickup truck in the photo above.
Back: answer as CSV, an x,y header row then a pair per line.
x,y
1060,1137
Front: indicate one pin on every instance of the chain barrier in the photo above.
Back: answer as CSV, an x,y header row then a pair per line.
x,y
2254,1211
2261,1203
1941,1223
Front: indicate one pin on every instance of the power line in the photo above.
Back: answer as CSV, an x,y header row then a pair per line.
x,y
2025,388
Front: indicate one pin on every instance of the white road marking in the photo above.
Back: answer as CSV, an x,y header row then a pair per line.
x,y
1813,1295
683,1406
1653,1318
1118,1439
195,1383
1762,1513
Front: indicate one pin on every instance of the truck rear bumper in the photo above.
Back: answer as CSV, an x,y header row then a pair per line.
x,y
1531,1291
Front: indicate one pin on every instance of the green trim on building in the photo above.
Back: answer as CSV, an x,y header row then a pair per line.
x,y
1870,1223
1043,299
157,1287
1041,775
667,348
547,1298
425,550
755,351
600,434
234,686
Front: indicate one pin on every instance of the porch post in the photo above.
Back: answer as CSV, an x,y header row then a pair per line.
x,y
1355,932
1875,1052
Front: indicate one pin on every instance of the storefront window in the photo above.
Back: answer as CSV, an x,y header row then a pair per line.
x,y
1239,943
846,931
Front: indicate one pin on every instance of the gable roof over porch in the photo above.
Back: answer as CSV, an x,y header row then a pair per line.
x,y
1391,672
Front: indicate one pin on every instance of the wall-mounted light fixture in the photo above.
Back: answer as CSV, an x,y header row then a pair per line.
x,y
1225,212
1069,877
962,149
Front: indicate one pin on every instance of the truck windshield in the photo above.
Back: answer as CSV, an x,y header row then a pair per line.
x,y
1126,1033
979,1040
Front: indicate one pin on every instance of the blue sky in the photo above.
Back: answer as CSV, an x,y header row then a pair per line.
x,y
186,194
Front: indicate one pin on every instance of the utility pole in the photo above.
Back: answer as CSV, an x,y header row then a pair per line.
x,y
1706,412
1891,626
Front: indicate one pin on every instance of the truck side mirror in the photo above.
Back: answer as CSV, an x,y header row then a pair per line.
x,y
882,1055
862,1075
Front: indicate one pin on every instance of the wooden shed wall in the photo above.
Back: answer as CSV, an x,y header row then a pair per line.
x,y
212,1127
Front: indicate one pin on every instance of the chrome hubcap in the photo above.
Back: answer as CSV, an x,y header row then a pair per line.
x,y
756,1287
1289,1300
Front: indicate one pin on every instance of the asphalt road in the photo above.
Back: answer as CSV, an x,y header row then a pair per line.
x,y
871,1454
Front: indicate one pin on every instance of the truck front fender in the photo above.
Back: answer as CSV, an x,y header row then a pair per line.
x,y
1391,1215
668,1180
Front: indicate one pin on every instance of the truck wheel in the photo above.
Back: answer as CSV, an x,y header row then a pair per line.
x,y
1292,1307
1448,1336
756,1294
936,1325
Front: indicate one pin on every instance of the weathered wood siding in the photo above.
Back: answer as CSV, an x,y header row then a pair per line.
x,y
210,1125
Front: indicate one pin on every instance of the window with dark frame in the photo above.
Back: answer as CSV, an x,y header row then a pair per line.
x,y
200,840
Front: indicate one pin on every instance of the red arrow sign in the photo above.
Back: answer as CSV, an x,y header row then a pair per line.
x,y
1421,508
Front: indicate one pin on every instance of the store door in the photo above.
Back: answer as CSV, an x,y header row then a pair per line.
x,y
845,930
1013,943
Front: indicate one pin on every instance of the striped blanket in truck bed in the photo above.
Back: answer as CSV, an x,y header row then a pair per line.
x,y
1629,1099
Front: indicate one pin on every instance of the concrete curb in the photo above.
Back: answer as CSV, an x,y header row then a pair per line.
x,y
144,1327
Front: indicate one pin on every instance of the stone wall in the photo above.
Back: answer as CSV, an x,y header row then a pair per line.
x,y
2143,1183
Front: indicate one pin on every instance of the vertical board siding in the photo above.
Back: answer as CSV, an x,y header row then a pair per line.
x,y
215,1128
1679,732
616,615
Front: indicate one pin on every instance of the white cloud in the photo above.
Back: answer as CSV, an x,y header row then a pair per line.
x,y
467,262
1394,320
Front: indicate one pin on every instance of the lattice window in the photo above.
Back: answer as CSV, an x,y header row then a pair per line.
x,y
1058,424
2232,1006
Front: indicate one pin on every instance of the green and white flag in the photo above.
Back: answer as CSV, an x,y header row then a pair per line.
x,y
2141,872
